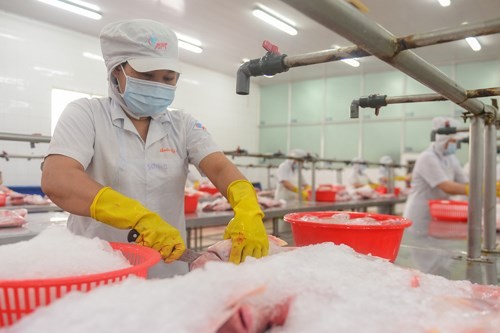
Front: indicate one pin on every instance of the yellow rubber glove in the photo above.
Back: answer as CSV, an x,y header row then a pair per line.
x,y
400,178
119,211
467,189
246,230
498,189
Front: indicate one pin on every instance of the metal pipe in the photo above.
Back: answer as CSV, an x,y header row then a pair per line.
x,y
489,208
299,189
390,180
34,138
29,157
313,182
406,42
476,155
339,176
342,18
436,97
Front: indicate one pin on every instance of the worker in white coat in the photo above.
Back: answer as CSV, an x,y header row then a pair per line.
x,y
356,175
437,175
383,170
120,162
288,179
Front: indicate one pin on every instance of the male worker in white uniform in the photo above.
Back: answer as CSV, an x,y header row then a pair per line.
x,y
437,175
121,162
287,179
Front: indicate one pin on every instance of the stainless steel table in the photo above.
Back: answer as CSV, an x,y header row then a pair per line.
x,y
35,208
36,223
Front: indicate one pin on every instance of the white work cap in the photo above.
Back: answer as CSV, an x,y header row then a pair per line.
x,y
145,44
298,153
386,159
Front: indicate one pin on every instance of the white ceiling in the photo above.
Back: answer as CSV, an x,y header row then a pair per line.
x,y
229,31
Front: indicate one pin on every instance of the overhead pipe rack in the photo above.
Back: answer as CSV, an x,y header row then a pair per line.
x,y
273,62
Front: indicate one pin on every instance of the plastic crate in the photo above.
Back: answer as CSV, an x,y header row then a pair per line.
x,y
21,297
449,210
378,240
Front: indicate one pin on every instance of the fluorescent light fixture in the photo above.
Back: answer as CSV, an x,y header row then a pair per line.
x,y
274,19
190,47
473,43
50,72
92,56
444,3
77,7
189,43
351,62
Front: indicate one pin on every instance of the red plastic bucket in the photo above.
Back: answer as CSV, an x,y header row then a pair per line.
x,y
190,203
21,297
378,240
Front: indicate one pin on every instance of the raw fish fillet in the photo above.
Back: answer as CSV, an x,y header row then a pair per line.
x,y
12,218
221,250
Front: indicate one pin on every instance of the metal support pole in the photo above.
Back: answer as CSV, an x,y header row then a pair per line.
x,y
313,181
339,176
268,177
299,191
390,180
341,17
489,209
476,155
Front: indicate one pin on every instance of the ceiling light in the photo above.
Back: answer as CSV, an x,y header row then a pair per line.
x,y
189,43
275,20
92,56
444,3
77,7
473,43
351,62
190,47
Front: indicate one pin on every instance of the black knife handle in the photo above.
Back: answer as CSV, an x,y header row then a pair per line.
x,y
132,236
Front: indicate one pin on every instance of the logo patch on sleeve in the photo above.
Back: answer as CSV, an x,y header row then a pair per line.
x,y
199,125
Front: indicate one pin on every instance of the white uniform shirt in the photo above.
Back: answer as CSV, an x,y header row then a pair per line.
x,y
286,171
355,177
431,169
98,134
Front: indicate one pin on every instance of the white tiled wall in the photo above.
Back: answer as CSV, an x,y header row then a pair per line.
x,y
36,57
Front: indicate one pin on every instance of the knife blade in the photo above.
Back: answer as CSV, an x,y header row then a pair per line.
x,y
188,256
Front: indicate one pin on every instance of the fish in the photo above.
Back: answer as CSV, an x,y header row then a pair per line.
x,y
221,250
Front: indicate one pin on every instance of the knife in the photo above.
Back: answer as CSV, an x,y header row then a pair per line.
x,y
188,256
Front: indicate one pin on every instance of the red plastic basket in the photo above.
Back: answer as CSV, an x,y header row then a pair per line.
x,y
378,240
21,297
449,210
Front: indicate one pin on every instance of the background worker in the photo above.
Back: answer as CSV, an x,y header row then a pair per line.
x,y
437,175
287,179
120,162
356,175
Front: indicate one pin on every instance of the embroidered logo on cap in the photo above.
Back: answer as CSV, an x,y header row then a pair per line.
x,y
156,44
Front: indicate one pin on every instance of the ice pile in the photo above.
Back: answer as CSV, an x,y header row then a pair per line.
x,y
56,252
344,218
333,289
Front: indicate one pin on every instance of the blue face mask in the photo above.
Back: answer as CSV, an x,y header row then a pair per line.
x,y
451,149
147,98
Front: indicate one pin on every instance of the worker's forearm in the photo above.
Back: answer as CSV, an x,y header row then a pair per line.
x,y
72,190
452,188
220,171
